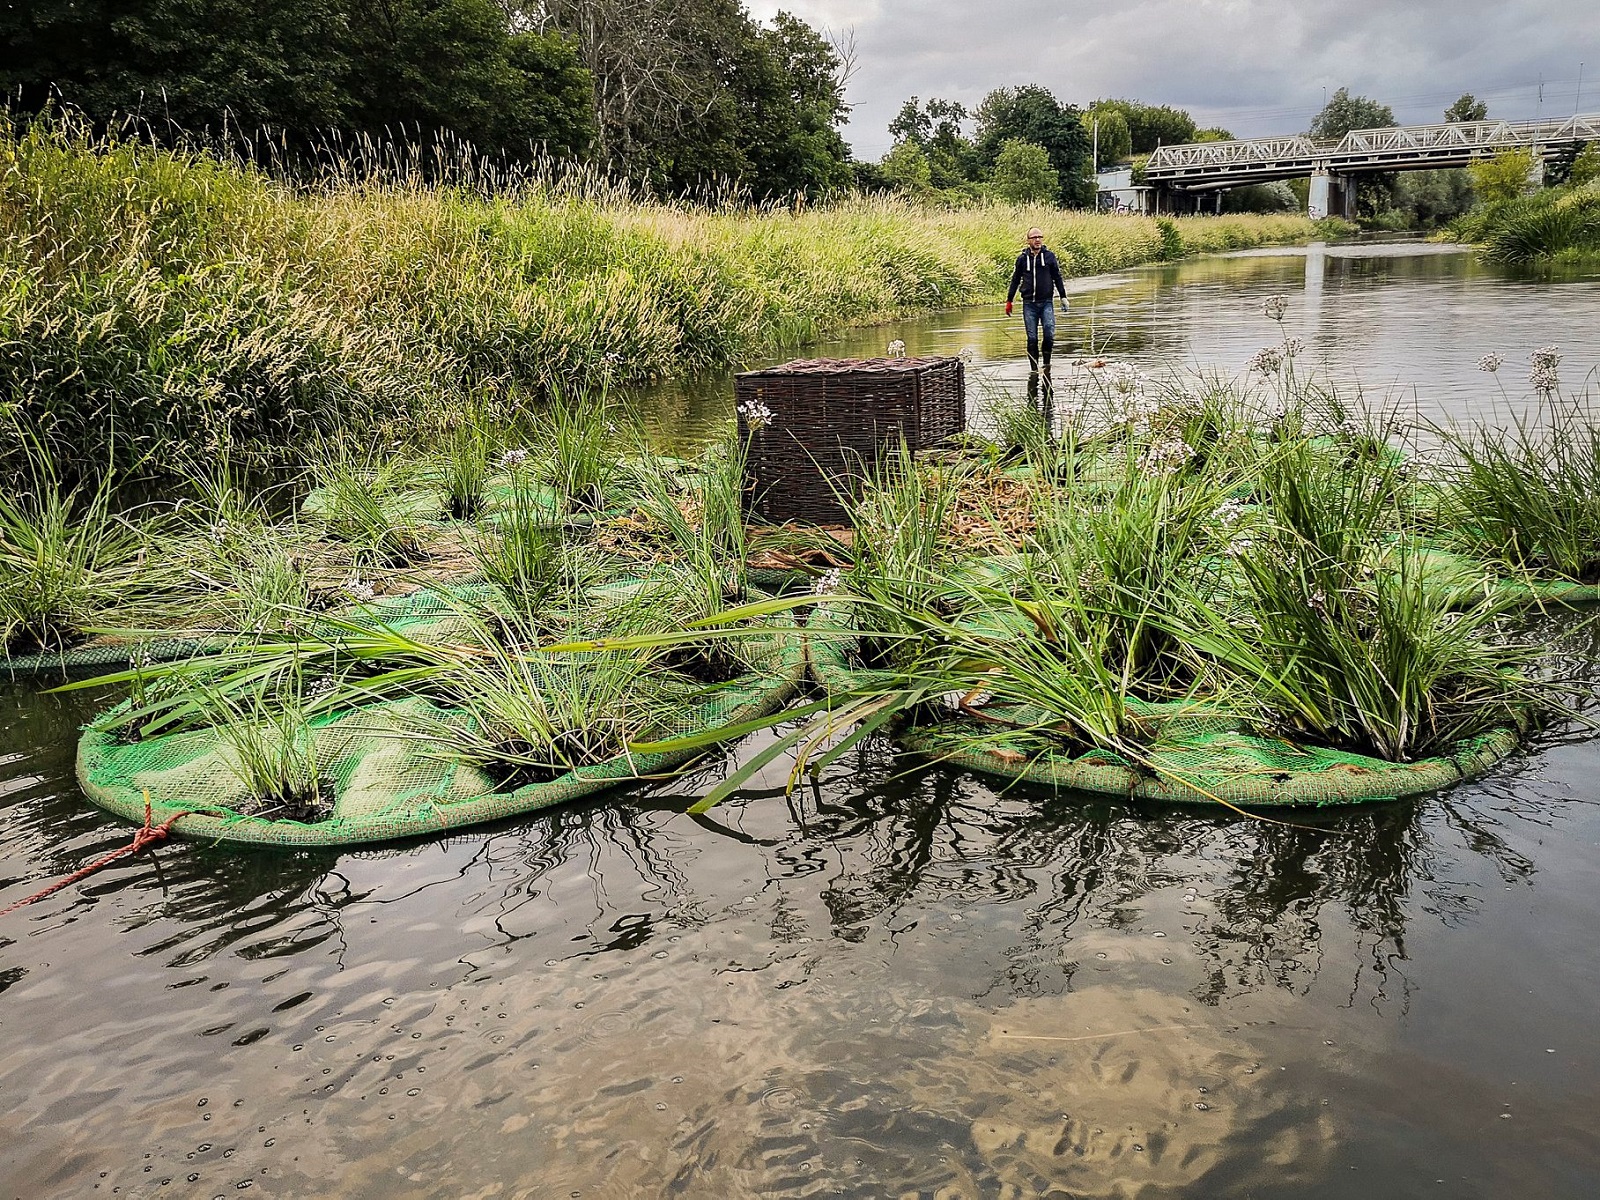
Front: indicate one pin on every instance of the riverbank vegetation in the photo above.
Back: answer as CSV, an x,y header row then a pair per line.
x,y
165,304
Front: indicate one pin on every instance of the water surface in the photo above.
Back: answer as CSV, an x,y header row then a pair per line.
x,y
897,981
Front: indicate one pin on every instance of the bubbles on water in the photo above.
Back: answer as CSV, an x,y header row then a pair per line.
x,y
780,1099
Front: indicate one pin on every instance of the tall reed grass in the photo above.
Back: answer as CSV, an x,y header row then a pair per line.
x,y
158,300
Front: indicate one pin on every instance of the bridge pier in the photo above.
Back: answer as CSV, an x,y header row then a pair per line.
x,y
1331,195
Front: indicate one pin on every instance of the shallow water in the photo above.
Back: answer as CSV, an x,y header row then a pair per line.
x,y
1395,324
899,981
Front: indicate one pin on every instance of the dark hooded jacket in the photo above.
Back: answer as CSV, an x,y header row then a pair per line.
x,y
1037,276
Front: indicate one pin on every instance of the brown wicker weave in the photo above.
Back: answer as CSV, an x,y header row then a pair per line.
x,y
832,419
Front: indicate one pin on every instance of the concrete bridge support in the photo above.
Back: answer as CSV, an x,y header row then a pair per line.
x,y
1331,196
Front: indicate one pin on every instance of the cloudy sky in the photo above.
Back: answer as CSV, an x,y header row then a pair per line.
x,y
1255,67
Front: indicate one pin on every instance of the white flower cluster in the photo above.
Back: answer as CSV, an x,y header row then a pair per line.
x,y
967,354
320,689
1292,346
1273,307
512,459
1265,361
218,532
1229,513
756,414
897,349
1542,369
1238,547
1125,379
1491,363
358,588
827,583
1166,455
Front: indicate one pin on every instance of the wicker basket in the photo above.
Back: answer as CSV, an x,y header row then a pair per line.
x,y
832,420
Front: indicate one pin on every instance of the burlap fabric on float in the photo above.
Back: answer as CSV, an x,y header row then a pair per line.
x,y
1194,755
387,782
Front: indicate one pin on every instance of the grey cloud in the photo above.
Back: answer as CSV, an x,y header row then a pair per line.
x,y
1256,67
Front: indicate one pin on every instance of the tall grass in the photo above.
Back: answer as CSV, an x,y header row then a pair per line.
x,y
187,302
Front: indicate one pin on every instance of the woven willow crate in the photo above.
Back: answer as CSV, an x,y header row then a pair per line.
x,y
833,419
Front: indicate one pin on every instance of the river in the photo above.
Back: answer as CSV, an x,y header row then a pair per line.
x,y
896,981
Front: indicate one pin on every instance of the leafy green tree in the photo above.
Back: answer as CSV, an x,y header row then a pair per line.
x,y
1503,177
1032,114
792,92
1151,125
1344,112
1467,108
1213,133
1110,125
911,124
390,68
906,168
1023,174
1585,166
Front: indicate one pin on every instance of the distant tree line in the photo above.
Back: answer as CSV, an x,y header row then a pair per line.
x,y
675,94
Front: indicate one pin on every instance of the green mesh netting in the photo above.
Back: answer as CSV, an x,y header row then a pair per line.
x,y
1197,756
1463,580
388,782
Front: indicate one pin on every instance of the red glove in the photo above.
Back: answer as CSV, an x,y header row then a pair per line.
x,y
1008,308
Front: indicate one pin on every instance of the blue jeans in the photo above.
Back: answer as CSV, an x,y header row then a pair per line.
x,y
1035,315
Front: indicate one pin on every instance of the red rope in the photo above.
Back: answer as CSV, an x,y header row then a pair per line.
x,y
147,835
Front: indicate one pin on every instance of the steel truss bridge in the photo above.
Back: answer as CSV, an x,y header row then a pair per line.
x,y
1209,166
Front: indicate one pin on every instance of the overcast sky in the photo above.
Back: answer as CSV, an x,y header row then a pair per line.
x,y
1255,67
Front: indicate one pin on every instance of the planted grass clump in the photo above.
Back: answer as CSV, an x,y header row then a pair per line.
x,y
68,561
1528,496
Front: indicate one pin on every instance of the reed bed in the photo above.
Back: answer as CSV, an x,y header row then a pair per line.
x,y
161,303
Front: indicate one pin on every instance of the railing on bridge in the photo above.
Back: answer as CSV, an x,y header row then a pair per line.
x,y
1401,147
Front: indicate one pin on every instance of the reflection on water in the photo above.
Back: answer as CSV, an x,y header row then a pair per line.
x,y
1404,323
895,981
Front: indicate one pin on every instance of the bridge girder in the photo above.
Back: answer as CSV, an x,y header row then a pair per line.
x,y
1208,166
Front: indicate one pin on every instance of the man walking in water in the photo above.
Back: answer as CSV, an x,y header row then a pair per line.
x,y
1038,277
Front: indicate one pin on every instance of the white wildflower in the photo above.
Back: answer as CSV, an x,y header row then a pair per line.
x,y
1292,346
1238,546
897,349
967,354
1265,361
1229,513
1545,356
1491,362
827,582
320,689
358,588
1544,379
1273,307
512,459
1165,455
756,415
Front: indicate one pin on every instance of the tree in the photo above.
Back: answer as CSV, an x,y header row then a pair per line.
x,y
307,68
1344,112
935,129
1032,114
1467,108
906,169
692,92
1214,133
1503,177
1108,128
1023,174
1152,125
1585,166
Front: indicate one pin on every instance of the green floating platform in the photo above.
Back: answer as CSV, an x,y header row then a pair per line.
x,y
387,782
1197,756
